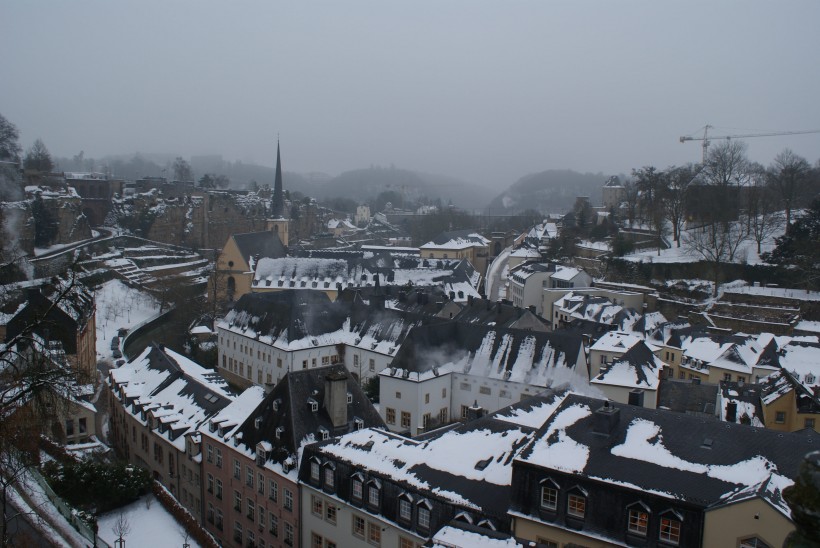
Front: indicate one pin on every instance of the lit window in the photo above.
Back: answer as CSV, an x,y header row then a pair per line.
x,y
576,506
638,521
670,530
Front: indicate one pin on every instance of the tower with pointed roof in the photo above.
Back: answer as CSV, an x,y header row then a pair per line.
x,y
278,224
278,203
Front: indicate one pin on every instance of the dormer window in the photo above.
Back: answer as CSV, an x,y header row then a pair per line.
x,y
358,423
257,422
276,404
314,405
405,507
356,487
330,476
314,470
349,398
279,431
638,519
549,495
577,503
323,434
374,488
423,513
487,524
670,529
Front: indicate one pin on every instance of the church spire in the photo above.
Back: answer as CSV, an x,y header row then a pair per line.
x,y
278,203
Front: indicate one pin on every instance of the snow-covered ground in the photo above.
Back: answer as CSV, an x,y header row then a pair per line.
x,y
119,305
746,253
149,525
497,274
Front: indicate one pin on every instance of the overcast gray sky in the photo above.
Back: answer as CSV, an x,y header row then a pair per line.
x,y
484,91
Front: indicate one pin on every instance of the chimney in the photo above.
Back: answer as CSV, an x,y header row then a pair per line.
x,y
731,412
605,419
636,397
336,398
475,411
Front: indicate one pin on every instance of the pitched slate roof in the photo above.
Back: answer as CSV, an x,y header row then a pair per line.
x,y
299,424
469,465
498,313
458,278
673,455
510,354
257,245
638,367
301,318
180,393
688,397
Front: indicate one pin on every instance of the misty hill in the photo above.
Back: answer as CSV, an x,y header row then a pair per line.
x,y
551,191
366,184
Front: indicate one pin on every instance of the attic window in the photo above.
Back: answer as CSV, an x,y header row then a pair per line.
x,y
314,405
349,398
212,426
279,431
323,433
257,422
358,423
276,403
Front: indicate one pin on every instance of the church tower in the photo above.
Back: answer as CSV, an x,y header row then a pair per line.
x,y
278,203
278,224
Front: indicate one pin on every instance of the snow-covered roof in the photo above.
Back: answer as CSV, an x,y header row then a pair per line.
x,y
179,393
460,239
670,455
637,368
513,355
617,342
469,465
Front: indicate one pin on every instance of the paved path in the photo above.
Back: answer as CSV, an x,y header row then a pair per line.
x,y
494,278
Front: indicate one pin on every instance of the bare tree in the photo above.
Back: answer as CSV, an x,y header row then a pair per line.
x,y
38,158
649,182
726,170
35,388
9,144
679,180
788,175
716,243
631,195
121,529
182,170
762,221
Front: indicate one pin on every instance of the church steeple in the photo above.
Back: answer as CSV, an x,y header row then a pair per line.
x,y
278,203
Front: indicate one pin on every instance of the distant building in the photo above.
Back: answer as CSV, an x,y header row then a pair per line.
x,y
459,244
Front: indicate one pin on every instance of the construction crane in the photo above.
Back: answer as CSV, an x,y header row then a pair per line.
x,y
706,137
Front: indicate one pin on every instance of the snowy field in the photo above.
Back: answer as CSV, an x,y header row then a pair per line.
x,y
120,306
150,525
746,253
